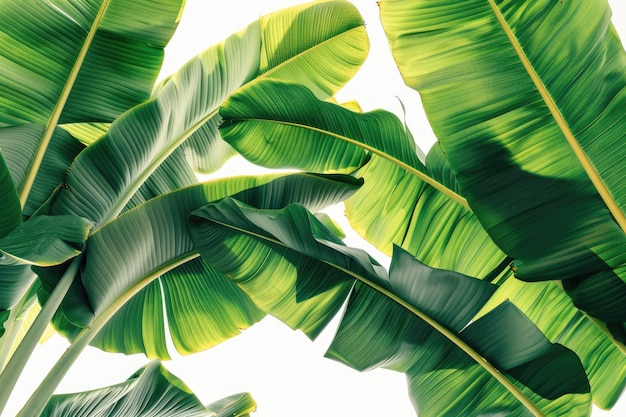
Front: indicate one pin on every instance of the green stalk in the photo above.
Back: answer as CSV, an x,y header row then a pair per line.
x,y
60,105
14,323
37,402
16,364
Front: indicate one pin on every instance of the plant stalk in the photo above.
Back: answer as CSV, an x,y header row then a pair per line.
x,y
18,361
38,400
14,323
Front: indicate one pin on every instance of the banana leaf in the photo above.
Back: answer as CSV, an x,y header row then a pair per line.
x,y
416,320
156,260
396,207
526,99
74,61
151,391
107,173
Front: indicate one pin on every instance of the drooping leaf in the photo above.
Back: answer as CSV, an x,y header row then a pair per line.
x,y
281,125
107,174
45,241
408,322
151,391
271,273
538,88
152,249
278,124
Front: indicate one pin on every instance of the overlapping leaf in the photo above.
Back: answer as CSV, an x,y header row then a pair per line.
x,y
395,207
383,324
152,249
151,391
280,125
516,121
105,176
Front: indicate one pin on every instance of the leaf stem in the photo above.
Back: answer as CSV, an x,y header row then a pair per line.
x,y
60,105
38,400
13,323
16,364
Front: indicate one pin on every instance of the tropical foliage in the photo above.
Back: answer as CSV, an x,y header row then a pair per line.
x,y
505,294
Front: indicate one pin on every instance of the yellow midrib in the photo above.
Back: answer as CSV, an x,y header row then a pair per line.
x,y
582,157
60,105
441,329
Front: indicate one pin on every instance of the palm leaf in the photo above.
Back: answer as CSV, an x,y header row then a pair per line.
x,y
156,260
151,391
143,137
517,125
403,321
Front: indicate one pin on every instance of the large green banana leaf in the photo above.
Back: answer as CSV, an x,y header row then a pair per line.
x,y
151,391
527,101
108,172
396,207
72,61
152,249
417,318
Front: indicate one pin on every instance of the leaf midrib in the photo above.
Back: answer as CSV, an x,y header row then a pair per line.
x,y
60,105
444,331
582,157
429,180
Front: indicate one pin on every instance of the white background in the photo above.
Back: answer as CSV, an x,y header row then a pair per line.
x,y
285,372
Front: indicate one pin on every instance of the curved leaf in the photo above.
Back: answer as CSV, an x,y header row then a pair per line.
x,y
151,391
44,241
143,137
151,242
512,121
394,207
405,321
267,123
